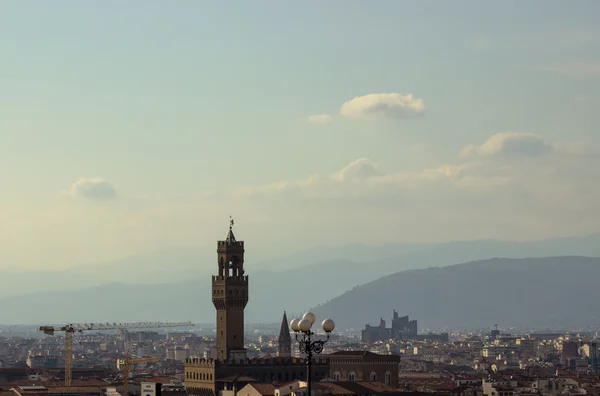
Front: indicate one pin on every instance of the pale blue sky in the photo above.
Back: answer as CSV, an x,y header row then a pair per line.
x,y
168,101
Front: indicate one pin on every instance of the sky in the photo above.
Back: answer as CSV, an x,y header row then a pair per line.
x,y
127,127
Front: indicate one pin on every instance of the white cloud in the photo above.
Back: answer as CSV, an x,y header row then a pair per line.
x,y
392,105
508,169
360,169
320,119
510,144
96,189
524,145
491,196
363,178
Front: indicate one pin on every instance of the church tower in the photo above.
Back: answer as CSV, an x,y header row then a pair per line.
x,y
230,296
285,340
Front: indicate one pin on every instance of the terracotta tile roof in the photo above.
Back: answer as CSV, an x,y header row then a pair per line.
x,y
356,388
332,388
61,389
376,386
288,383
160,380
76,382
264,388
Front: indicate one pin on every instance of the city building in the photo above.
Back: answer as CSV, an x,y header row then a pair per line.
x,y
403,329
231,371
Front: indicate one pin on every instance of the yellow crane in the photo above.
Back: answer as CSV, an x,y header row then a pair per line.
x,y
70,329
127,363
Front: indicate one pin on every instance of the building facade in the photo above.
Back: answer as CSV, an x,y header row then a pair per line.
x,y
363,366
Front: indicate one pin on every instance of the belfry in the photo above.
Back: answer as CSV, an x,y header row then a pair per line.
x,y
230,296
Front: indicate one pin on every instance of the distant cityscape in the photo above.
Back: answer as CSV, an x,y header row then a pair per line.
x,y
235,358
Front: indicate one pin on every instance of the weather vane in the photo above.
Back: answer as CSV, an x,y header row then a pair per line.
x,y
230,222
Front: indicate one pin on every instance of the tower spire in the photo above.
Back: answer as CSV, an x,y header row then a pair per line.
x,y
285,340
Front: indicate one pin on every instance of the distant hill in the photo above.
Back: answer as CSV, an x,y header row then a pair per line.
x,y
181,275
525,293
270,294
358,263
544,292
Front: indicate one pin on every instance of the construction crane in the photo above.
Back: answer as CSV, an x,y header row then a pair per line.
x,y
127,363
70,329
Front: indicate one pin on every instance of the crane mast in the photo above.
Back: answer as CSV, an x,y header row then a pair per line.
x,y
70,329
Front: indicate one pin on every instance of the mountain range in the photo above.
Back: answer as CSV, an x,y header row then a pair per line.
x,y
174,284
544,293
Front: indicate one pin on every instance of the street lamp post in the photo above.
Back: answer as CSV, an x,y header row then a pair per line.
x,y
302,328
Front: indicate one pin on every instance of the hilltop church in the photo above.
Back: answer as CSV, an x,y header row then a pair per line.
x,y
232,370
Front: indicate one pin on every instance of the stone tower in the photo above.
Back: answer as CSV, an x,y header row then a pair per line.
x,y
230,296
285,340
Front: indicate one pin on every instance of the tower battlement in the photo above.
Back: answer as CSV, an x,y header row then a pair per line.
x,y
278,361
226,279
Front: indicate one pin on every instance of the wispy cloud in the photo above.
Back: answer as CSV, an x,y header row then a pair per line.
x,y
96,189
392,105
320,119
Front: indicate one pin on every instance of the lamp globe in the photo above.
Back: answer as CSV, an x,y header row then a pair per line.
x,y
310,317
294,325
304,325
328,325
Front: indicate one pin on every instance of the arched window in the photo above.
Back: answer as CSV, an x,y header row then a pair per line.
x,y
373,376
388,378
352,376
336,376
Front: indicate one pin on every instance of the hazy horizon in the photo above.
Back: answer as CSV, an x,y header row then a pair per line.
x,y
133,127
269,257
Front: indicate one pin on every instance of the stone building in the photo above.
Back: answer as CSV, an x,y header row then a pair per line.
x,y
207,377
363,366
232,370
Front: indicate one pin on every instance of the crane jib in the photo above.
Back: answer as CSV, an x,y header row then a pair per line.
x,y
71,328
